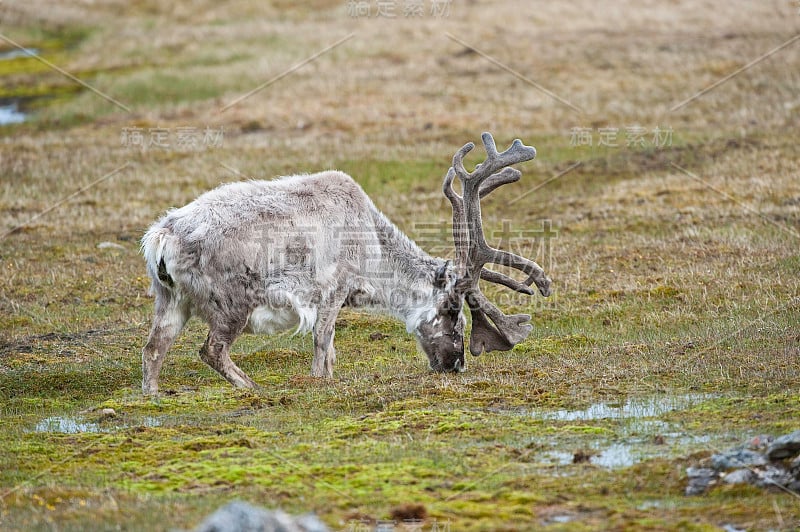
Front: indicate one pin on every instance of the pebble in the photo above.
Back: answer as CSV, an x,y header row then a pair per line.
x,y
760,442
740,476
700,479
238,516
774,476
761,461
737,458
785,446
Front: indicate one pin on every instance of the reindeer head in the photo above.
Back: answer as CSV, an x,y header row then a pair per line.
x,y
442,337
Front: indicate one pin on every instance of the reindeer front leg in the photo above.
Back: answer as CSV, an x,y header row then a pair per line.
x,y
216,350
324,331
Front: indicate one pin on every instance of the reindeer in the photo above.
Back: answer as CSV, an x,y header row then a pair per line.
x,y
266,256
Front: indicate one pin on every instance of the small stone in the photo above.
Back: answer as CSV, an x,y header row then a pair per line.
x,y
378,336
737,458
409,512
581,456
740,476
237,516
732,528
760,442
774,476
794,466
700,479
785,446
696,472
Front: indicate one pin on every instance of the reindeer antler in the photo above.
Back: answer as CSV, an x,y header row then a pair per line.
x,y
472,251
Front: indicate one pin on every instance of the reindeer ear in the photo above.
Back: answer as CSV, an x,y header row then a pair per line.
x,y
440,277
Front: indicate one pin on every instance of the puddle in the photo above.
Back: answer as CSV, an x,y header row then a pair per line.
x,y
557,457
9,109
615,455
10,114
73,425
65,425
639,436
611,456
19,52
631,409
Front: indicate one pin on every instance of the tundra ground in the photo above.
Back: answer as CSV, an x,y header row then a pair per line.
x,y
664,203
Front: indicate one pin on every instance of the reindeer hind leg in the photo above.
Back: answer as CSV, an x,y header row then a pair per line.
x,y
168,321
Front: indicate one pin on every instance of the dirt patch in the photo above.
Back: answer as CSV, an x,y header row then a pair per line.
x,y
38,342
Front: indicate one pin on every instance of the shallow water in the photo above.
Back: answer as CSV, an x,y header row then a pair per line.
x,y
636,407
9,110
10,114
65,425
75,425
19,52
636,436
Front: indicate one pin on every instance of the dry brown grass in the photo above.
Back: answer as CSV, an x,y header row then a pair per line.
x,y
401,90
667,280
725,235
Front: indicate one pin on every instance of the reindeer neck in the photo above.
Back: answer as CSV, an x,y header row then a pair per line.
x,y
404,280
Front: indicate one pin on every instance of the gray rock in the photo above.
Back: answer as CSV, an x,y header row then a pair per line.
x,y
794,467
737,458
240,516
311,523
785,446
740,476
760,442
700,479
733,528
774,476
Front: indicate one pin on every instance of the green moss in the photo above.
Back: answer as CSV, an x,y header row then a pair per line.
x,y
33,81
664,291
